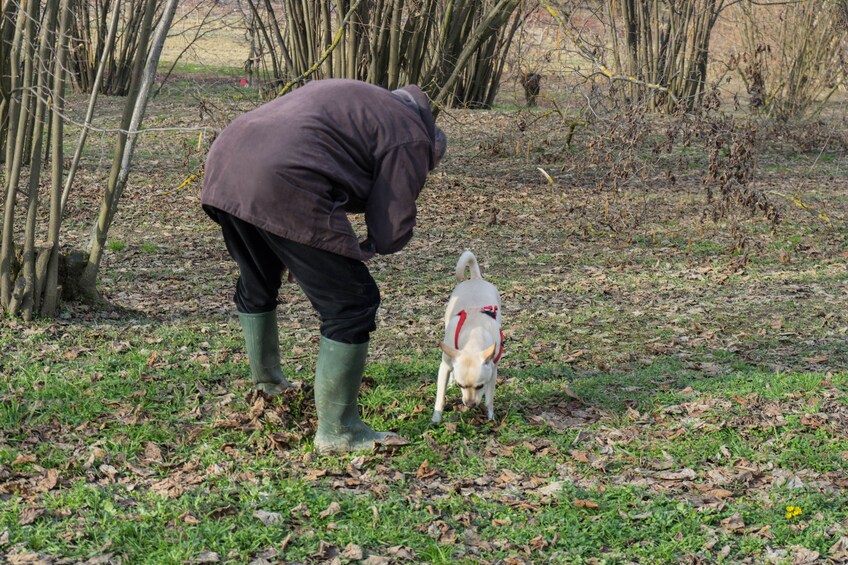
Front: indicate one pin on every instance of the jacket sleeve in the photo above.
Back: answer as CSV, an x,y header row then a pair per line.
x,y
390,210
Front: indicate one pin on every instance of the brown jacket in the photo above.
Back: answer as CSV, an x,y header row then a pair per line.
x,y
296,165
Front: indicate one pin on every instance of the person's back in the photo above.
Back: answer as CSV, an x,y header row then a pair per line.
x,y
315,153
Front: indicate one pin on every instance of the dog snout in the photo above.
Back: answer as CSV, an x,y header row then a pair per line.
x,y
471,398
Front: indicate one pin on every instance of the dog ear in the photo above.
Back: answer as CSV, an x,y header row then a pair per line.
x,y
489,354
448,350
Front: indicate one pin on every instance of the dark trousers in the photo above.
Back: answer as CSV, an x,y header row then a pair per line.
x,y
341,289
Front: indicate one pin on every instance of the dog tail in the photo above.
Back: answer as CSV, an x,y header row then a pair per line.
x,y
467,260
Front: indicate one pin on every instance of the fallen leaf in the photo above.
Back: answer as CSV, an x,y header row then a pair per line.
x,y
425,471
662,464
314,474
331,510
267,555
838,551
508,477
19,556
23,459
285,542
814,421
550,490
538,543
441,532
500,522
803,556
208,557
48,482
580,456
794,483
283,440
571,359
375,516
28,515
401,552
585,504
189,518
152,452
221,511
391,441
719,493
733,523
685,474
268,518
776,556
108,470
353,552
764,532
326,551
301,510
711,369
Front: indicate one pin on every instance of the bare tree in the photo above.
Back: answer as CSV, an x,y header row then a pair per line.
x,y
33,77
454,48
662,42
143,77
89,37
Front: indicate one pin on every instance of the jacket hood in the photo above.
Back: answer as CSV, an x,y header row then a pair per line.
x,y
414,98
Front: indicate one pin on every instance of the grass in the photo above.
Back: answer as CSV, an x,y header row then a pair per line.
x,y
524,487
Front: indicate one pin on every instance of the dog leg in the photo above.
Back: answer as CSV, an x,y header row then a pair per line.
x,y
490,394
441,386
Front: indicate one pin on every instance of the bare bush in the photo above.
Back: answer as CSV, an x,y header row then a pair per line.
x,y
89,42
624,171
731,145
662,43
793,55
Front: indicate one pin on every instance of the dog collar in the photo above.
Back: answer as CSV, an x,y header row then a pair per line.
x,y
489,311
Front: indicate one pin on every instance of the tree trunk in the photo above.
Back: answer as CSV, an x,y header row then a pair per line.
x,y
19,119
51,276
144,76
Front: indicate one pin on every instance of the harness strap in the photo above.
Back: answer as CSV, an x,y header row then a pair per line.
x,y
488,310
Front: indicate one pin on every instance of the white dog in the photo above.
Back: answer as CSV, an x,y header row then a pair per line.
x,y
473,341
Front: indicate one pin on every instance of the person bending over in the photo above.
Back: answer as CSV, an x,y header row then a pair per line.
x,y
280,181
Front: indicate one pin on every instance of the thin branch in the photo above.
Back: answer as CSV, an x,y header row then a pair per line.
x,y
339,34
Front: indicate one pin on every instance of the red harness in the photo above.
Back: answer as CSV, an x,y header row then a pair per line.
x,y
489,311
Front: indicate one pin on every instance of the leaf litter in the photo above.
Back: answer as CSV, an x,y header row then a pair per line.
x,y
575,306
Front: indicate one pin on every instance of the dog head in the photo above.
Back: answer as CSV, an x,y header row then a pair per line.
x,y
472,371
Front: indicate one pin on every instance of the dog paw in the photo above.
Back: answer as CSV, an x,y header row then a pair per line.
x,y
437,417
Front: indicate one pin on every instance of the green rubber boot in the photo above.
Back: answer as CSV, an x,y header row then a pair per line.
x,y
337,381
262,339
